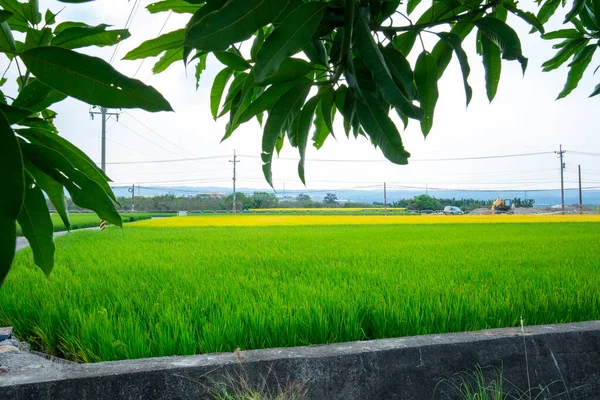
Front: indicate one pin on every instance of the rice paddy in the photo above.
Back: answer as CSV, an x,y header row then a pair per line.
x,y
190,285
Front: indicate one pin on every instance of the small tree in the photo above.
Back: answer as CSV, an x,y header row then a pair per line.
x,y
330,199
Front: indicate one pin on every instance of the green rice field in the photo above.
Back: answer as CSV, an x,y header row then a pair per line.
x,y
159,291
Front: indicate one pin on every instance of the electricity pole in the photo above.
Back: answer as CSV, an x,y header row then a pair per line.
x,y
234,161
103,112
385,197
132,191
580,194
562,181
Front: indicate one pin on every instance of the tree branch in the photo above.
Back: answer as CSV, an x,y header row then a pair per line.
x,y
346,40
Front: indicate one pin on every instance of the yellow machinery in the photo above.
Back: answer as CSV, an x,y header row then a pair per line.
x,y
501,206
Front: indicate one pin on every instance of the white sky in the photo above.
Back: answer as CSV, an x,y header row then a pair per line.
x,y
524,118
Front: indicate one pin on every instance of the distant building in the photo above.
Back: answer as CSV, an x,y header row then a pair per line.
x,y
210,195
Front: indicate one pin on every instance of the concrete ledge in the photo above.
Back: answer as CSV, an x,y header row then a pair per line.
x,y
562,356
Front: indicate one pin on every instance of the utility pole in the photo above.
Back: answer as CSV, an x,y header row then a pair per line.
x,y
234,161
580,194
385,197
562,180
132,191
103,112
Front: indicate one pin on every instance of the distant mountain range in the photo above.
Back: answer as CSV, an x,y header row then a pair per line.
x,y
542,198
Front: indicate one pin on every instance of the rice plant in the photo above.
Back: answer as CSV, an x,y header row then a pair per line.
x,y
155,290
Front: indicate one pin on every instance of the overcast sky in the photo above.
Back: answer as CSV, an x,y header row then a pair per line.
x,y
524,118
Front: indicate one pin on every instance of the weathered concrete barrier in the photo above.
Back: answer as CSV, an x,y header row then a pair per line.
x,y
559,357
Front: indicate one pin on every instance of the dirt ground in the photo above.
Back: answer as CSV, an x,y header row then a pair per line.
x,y
571,209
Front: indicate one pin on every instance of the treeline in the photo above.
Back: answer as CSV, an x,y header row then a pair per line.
x,y
262,200
426,202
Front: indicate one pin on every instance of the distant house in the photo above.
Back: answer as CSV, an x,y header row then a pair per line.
x,y
210,195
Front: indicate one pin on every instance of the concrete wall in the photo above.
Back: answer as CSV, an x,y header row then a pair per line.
x,y
403,368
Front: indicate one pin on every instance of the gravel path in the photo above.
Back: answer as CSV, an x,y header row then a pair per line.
x,y
22,241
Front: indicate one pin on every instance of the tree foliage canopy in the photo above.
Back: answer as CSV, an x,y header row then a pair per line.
x,y
300,61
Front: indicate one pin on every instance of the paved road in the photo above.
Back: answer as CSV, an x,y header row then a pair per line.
x,y
22,242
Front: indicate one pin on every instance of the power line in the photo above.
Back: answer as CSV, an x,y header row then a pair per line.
x,y
167,161
415,160
360,161
159,32
148,140
128,23
158,134
585,153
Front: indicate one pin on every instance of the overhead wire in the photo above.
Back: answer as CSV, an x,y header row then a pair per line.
x,y
158,134
157,35
128,23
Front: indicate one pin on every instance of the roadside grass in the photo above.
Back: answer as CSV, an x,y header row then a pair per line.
x,y
89,220
148,291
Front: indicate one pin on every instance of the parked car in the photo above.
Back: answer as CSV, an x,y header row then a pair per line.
x,y
452,210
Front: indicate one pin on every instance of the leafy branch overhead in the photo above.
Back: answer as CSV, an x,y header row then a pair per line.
x,y
304,62
35,160
293,65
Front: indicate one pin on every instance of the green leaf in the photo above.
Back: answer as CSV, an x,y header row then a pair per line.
x,y
572,47
4,15
77,158
84,192
7,41
16,8
502,35
171,56
84,36
426,82
596,91
405,42
31,10
154,47
401,71
236,21
176,6
39,123
287,39
37,227
526,16
578,66
282,113
91,79
232,60
304,123
216,93
411,5
492,64
234,91
200,67
37,38
455,42
375,62
257,44
443,51
14,114
563,34
546,11
328,107
53,189
321,132
68,24
49,17
266,100
575,10
12,181
290,69
36,96
381,129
